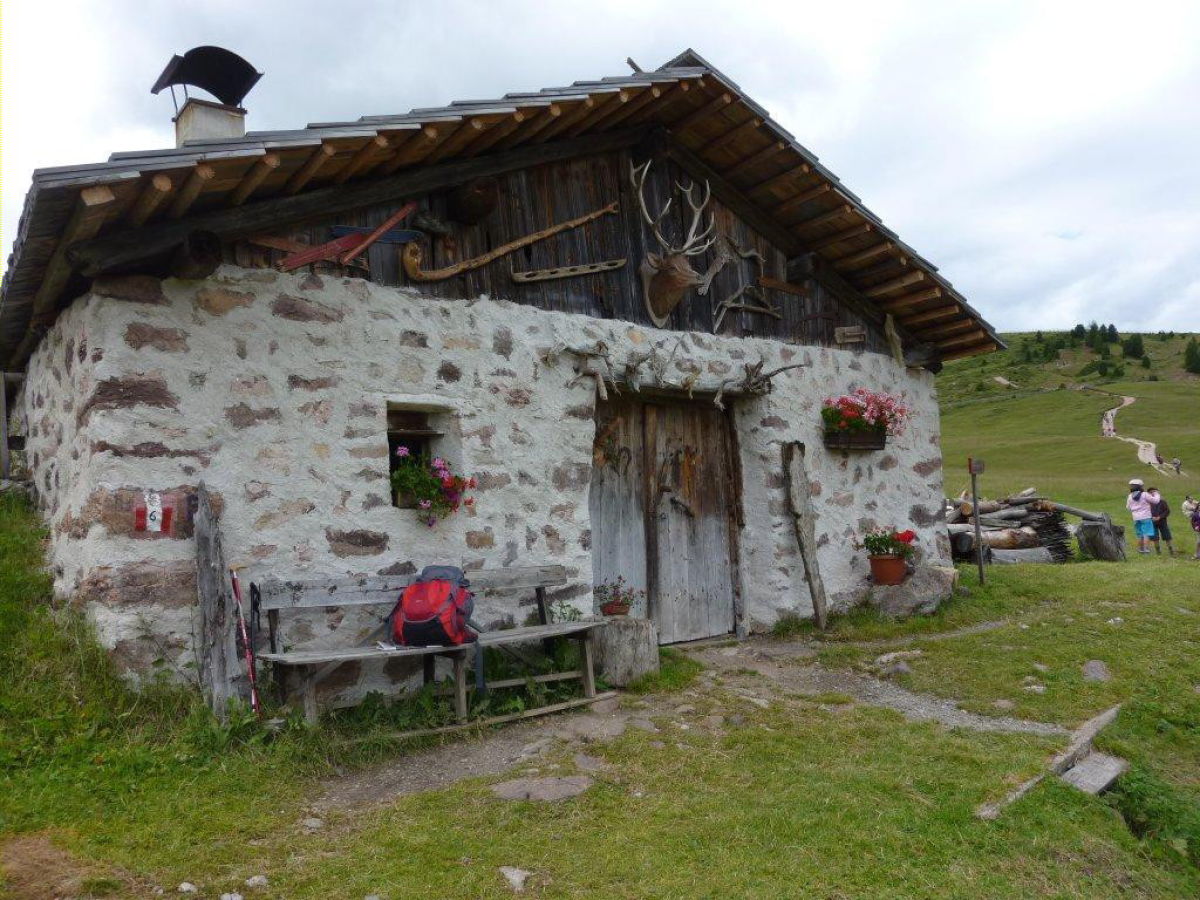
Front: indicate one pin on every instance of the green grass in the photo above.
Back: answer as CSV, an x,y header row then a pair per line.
x,y
676,671
1056,619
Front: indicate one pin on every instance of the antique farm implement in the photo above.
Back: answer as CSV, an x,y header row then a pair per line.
x,y
411,255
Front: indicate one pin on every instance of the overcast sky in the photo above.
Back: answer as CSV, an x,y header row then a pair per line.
x,y
1043,155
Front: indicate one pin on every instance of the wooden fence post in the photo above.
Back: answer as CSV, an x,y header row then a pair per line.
x,y
804,518
216,645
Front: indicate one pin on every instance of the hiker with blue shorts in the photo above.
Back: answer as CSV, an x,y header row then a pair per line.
x,y
1138,504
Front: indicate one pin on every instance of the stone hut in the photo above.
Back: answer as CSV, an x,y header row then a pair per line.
x,y
622,390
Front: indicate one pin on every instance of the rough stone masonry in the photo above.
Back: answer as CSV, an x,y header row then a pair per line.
x,y
273,389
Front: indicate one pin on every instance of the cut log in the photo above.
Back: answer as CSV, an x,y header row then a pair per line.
x,y
1011,538
804,520
626,649
985,507
1101,540
1073,511
1032,555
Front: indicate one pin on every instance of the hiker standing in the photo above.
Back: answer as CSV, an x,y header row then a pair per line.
x,y
1138,505
1159,511
1191,511
1177,463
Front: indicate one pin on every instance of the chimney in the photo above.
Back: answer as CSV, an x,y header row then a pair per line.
x,y
203,120
223,74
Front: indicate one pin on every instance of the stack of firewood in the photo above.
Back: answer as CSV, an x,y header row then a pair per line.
x,y
1025,527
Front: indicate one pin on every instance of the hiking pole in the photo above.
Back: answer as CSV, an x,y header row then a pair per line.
x,y
247,646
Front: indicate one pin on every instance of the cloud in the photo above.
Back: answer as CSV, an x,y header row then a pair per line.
x,y
1042,155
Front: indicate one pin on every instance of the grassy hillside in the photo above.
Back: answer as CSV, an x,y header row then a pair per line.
x,y
975,379
1045,433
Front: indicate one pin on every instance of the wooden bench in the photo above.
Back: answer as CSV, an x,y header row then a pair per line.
x,y
275,596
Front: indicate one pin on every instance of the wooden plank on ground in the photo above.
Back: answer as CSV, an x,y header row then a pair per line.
x,y
485,723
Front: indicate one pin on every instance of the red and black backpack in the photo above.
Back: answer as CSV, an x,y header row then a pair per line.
x,y
434,609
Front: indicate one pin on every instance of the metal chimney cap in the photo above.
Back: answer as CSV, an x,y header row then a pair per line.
x,y
221,72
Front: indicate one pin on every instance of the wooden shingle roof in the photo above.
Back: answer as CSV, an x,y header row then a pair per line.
x,y
755,165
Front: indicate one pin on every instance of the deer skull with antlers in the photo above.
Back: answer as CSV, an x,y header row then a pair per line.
x,y
666,277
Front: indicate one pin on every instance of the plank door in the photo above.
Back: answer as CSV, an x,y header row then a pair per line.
x,y
617,498
661,513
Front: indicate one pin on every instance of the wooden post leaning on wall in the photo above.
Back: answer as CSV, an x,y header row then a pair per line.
x,y
215,643
804,519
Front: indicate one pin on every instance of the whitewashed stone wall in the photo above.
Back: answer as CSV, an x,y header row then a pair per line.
x,y
273,390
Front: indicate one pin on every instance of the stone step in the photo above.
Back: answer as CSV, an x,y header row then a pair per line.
x,y
1095,772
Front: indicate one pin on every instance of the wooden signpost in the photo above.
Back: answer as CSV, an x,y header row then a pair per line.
x,y
975,467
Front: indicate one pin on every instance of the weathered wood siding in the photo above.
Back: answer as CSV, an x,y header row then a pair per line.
x,y
535,198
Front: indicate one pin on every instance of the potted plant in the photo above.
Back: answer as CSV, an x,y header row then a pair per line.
x,y
862,420
888,552
616,598
429,485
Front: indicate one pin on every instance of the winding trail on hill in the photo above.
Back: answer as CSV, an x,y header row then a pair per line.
x,y
1147,452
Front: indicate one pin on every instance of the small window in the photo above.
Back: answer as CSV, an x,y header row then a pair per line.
x,y
411,429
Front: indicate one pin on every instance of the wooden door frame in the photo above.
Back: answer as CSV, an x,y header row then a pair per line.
x,y
735,513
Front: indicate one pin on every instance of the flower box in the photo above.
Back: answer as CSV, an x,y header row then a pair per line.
x,y
864,439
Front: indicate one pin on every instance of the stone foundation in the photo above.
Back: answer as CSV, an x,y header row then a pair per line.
x,y
274,389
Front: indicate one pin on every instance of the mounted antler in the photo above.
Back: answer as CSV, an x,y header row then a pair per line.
x,y
666,277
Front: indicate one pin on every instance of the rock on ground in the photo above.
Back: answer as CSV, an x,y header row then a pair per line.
x,y
543,789
515,877
1096,670
920,594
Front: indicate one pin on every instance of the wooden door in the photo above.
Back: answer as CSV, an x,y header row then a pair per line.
x,y
661,513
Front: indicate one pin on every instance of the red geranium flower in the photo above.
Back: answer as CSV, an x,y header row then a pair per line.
x,y
907,536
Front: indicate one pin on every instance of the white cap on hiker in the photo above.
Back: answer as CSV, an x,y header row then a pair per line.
x,y
1136,481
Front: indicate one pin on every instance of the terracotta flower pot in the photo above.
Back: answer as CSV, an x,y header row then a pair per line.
x,y
888,569
614,608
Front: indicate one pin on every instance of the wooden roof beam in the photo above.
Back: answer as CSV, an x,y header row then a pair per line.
x,y
150,199
546,117
753,160
309,169
497,132
251,180
361,158
737,131
824,218
973,350
93,208
611,108
887,267
913,299
800,199
771,181
894,284
931,315
966,339
838,237
671,93
864,255
422,142
937,332
583,109
687,120
200,176
468,131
